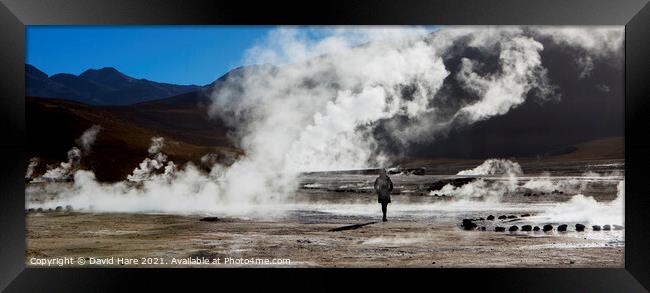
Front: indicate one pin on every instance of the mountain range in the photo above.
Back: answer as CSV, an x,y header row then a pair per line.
x,y
105,86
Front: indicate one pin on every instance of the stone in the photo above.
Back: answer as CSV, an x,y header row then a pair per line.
x,y
58,208
513,228
536,228
68,208
512,217
607,227
562,227
617,227
490,217
209,219
547,228
456,182
499,229
468,224
595,227
502,217
580,227
526,228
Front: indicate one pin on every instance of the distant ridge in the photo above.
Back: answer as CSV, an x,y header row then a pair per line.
x,y
105,86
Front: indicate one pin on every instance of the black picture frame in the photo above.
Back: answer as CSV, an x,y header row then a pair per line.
x,y
16,14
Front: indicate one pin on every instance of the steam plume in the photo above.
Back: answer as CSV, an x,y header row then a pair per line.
x,y
66,169
87,139
33,162
154,164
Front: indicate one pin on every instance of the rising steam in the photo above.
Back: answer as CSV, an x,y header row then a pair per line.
x,y
154,166
495,167
33,163
65,170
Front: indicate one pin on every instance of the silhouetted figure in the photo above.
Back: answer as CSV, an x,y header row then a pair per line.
x,y
383,186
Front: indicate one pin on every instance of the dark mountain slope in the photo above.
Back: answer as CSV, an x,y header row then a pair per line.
x,y
53,125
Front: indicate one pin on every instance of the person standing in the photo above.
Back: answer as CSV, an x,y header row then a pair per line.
x,y
383,187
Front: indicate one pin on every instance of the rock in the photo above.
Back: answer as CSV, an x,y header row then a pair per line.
x,y
513,228
68,208
525,215
481,219
456,182
31,210
595,228
499,229
483,228
562,227
490,218
39,210
617,227
580,227
536,228
502,217
547,228
58,208
607,227
209,219
407,171
468,224
512,217
526,228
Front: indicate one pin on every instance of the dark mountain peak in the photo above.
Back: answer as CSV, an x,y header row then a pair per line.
x,y
105,75
241,71
62,75
35,72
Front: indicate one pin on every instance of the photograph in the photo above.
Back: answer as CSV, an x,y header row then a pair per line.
x,y
338,146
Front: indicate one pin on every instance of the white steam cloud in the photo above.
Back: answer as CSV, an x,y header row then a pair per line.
x,y
33,162
320,112
154,166
594,43
586,210
578,209
495,167
65,170
87,139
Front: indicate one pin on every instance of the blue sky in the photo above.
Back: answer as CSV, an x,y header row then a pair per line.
x,y
174,54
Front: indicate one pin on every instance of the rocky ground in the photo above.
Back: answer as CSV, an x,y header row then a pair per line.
x,y
334,221
307,238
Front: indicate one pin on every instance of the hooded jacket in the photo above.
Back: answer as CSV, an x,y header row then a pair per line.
x,y
383,187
